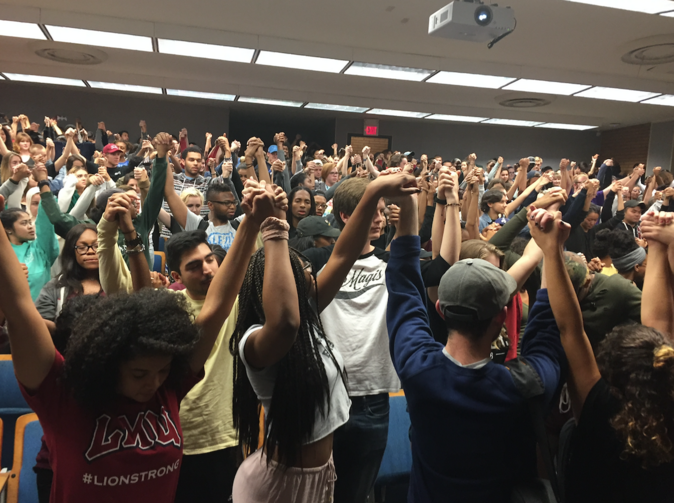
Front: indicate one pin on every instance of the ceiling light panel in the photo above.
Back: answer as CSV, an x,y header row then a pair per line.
x,y
125,87
39,79
100,38
21,30
388,72
612,93
668,14
398,113
336,108
665,99
207,51
263,101
470,80
570,127
456,118
546,87
644,6
510,122
299,62
196,94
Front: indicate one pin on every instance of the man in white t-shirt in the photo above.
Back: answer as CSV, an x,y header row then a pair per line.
x,y
355,321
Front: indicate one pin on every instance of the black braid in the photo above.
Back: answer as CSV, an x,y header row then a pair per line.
x,y
301,385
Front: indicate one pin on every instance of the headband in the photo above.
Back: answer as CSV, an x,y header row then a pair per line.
x,y
627,262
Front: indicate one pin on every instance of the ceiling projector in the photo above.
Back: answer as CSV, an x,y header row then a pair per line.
x,y
472,21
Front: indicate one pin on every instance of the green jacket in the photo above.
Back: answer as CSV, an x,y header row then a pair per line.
x,y
143,223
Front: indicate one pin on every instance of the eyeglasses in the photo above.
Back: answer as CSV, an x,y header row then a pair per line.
x,y
84,249
305,261
358,165
226,203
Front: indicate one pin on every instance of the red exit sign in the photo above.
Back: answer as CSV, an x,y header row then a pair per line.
x,y
371,130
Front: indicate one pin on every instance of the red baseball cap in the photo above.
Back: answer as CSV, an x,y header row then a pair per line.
x,y
111,148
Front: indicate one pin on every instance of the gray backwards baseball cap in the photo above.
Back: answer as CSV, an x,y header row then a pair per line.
x,y
474,290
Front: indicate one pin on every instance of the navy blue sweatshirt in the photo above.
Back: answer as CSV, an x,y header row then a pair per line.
x,y
472,437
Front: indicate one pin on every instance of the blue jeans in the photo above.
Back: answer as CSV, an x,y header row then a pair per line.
x,y
358,448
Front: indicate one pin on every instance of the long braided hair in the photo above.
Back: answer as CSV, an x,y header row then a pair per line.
x,y
301,385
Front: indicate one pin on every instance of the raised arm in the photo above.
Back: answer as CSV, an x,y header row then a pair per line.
x,y
494,169
472,210
272,342
355,234
207,145
343,163
657,306
258,205
517,202
31,343
367,162
113,272
593,165
155,195
46,236
406,316
550,233
140,270
176,205
450,247
68,150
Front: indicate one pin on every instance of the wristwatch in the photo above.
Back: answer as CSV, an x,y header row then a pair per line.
x,y
43,183
443,202
134,245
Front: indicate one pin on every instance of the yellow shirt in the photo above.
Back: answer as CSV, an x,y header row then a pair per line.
x,y
609,271
206,411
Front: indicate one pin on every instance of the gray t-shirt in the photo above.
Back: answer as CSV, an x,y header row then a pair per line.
x,y
222,235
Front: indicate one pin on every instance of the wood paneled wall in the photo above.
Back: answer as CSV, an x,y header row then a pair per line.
x,y
627,146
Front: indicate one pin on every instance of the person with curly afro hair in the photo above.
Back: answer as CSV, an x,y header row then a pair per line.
x,y
109,405
622,447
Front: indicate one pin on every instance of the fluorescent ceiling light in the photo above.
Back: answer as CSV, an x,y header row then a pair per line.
x,y
125,87
470,80
207,51
611,93
665,99
100,38
21,30
645,6
510,122
263,101
572,127
398,113
668,14
299,62
336,108
456,118
195,94
388,72
39,79
547,87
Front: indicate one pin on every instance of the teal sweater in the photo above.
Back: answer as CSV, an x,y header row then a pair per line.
x,y
39,255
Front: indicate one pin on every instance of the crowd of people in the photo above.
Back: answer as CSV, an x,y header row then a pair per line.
x,y
514,305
